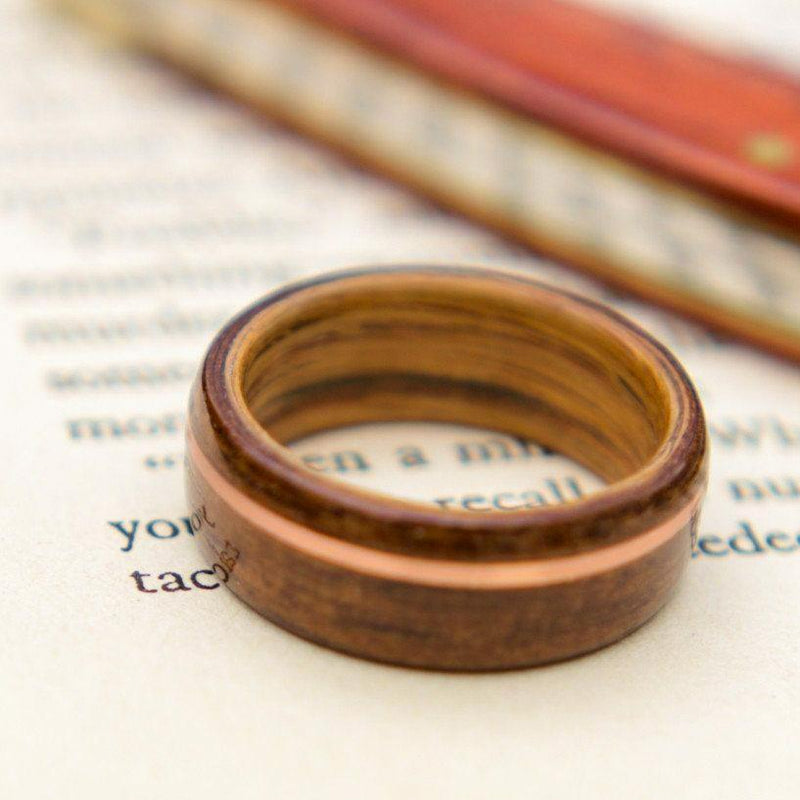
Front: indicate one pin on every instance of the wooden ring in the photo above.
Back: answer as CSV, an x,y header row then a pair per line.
x,y
412,584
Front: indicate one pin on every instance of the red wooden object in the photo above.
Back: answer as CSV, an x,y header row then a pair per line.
x,y
727,124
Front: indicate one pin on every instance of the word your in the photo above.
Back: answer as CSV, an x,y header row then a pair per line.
x,y
161,528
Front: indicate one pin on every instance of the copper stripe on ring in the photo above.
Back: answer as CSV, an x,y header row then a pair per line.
x,y
437,572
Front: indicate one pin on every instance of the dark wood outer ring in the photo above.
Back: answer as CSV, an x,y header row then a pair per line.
x,y
404,583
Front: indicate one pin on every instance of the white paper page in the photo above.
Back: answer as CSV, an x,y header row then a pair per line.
x,y
136,214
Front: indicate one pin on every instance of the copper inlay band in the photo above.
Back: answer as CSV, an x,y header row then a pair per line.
x,y
454,574
414,584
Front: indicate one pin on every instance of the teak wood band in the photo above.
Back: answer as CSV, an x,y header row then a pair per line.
x,y
411,584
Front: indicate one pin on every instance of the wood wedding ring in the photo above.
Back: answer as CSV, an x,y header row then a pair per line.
x,y
412,584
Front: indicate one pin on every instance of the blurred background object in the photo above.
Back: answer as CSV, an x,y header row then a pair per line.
x,y
663,168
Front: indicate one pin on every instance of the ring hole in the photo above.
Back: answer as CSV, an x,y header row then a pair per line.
x,y
452,467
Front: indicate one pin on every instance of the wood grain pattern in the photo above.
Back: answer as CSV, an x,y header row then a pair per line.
x,y
730,125
412,584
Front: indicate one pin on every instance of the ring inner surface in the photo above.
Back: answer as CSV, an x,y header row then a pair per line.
x,y
463,350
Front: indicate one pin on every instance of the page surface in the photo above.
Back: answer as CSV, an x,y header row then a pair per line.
x,y
137,213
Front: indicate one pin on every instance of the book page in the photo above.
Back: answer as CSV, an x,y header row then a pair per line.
x,y
137,213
